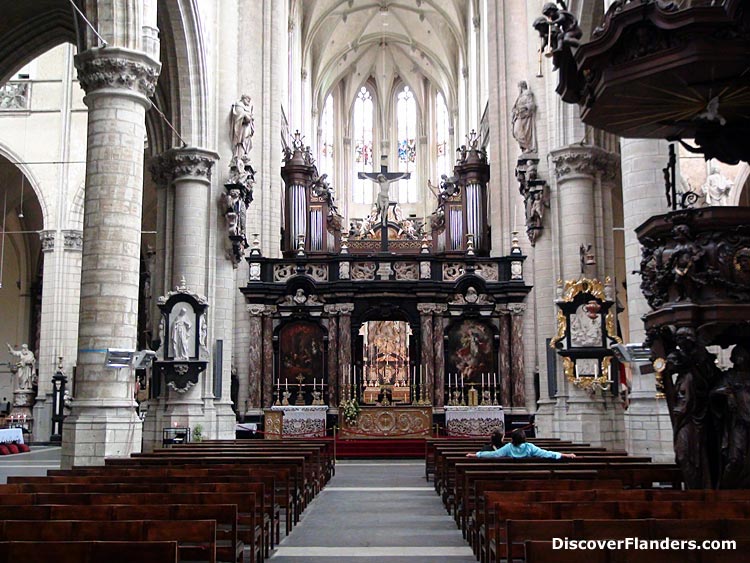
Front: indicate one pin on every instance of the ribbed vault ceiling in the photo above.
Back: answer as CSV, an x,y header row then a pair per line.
x,y
410,39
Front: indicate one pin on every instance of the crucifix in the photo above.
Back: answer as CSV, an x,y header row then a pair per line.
x,y
384,179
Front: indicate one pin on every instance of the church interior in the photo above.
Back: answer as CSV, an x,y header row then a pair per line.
x,y
299,255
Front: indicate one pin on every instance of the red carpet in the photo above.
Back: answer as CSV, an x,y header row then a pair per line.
x,y
363,449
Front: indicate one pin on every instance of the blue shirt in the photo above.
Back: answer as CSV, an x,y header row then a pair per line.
x,y
527,449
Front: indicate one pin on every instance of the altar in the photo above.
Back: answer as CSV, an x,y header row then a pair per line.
x,y
474,421
302,421
389,422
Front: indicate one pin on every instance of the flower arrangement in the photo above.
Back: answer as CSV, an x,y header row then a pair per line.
x,y
198,433
350,410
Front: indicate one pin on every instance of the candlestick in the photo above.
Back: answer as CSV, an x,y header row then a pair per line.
x,y
577,375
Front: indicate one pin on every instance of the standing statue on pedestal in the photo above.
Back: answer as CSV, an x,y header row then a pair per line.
x,y
24,366
181,335
717,188
523,117
243,128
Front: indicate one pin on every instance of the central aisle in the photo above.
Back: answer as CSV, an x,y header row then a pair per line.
x,y
376,511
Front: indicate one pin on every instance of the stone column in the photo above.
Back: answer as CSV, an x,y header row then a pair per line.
x,y
648,430
438,333
191,177
103,422
344,339
503,358
575,168
427,357
190,171
333,352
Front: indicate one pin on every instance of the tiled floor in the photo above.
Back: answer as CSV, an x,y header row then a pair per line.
x,y
376,511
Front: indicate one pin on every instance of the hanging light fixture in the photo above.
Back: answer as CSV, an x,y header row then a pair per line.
x,y
20,209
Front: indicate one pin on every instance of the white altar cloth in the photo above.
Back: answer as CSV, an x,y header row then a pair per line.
x,y
307,421
8,435
474,421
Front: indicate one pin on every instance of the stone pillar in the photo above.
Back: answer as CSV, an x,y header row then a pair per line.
x,y
648,430
575,168
517,377
438,330
60,295
103,422
344,340
191,177
427,357
190,170
503,358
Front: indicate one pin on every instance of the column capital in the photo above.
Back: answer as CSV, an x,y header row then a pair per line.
x,y
339,308
516,308
160,170
576,161
47,239
190,162
608,164
430,308
114,68
73,239
260,310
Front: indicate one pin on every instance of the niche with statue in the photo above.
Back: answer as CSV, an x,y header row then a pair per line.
x,y
183,331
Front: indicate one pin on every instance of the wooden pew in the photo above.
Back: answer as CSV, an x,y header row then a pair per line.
x,y
228,546
196,539
88,552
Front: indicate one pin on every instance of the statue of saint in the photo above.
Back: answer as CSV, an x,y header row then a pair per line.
x,y
24,366
181,335
523,117
717,188
243,128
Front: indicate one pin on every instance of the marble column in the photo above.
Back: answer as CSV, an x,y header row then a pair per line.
x,y
427,356
345,341
438,333
648,430
333,355
517,378
249,394
503,359
103,422
267,372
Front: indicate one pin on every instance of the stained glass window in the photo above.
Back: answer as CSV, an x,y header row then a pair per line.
x,y
441,136
406,119
325,158
362,141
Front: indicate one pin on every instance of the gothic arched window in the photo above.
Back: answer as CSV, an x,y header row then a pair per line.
x,y
325,158
362,142
441,136
406,122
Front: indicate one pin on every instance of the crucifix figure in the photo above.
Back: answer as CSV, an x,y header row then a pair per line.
x,y
384,179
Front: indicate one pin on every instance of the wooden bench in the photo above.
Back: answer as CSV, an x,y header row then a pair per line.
x,y
196,539
88,552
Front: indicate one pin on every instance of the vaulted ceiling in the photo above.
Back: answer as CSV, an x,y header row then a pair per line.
x,y
383,39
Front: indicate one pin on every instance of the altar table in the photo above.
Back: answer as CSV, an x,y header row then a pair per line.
x,y
303,421
388,422
474,421
8,435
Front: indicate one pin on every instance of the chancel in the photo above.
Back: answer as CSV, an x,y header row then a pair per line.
x,y
357,229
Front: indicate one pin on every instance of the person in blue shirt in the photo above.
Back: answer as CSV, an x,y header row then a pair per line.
x,y
519,448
